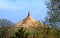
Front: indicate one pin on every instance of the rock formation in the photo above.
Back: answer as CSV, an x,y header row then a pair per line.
x,y
29,22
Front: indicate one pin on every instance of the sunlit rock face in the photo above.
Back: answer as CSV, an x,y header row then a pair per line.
x,y
29,22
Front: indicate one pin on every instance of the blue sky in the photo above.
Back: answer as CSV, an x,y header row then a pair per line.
x,y
16,10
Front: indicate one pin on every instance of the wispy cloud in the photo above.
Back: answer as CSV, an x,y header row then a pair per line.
x,y
7,4
18,4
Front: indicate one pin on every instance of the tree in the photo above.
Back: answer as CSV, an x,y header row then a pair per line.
x,y
4,26
53,14
21,33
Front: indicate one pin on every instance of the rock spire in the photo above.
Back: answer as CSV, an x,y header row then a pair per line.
x,y
28,13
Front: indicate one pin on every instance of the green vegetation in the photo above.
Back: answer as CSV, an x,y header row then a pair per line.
x,y
42,33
